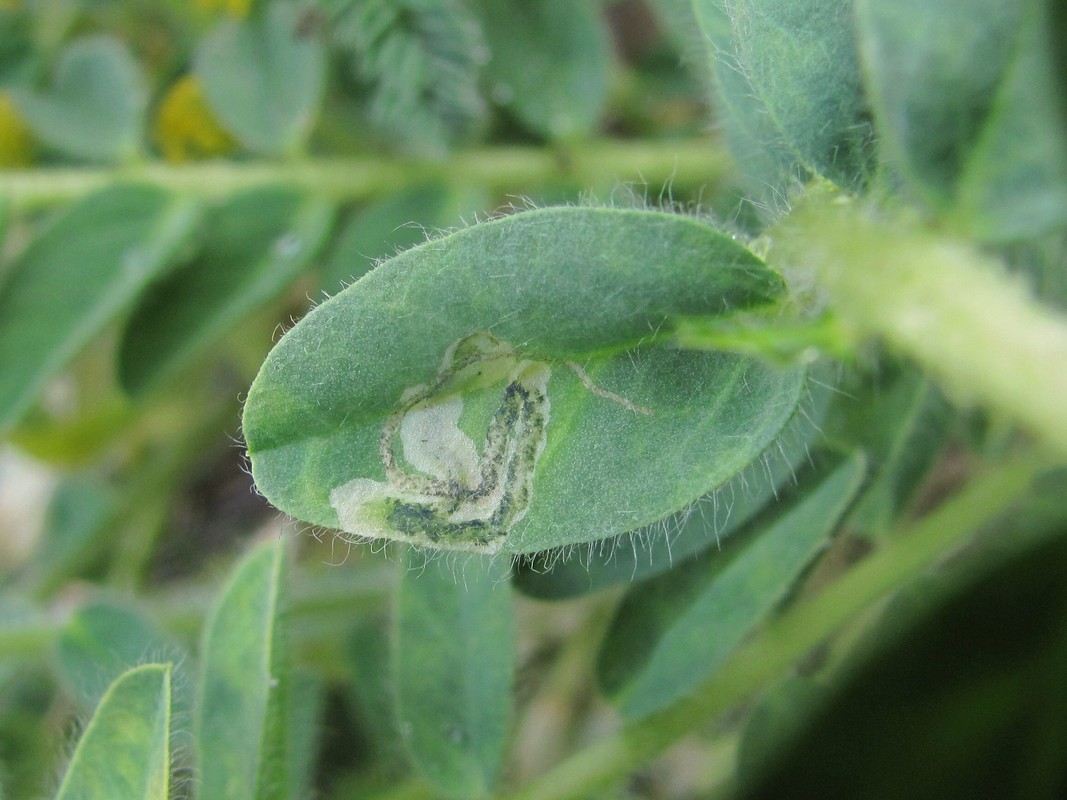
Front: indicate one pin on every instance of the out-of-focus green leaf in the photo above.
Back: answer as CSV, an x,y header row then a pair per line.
x,y
902,422
124,754
384,228
75,522
242,725
101,641
27,735
95,107
789,83
528,334
777,716
550,63
420,62
263,79
671,633
646,553
959,692
307,701
961,94
455,655
255,245
374,695
75,277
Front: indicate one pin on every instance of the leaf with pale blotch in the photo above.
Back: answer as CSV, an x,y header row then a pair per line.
x,y
504,389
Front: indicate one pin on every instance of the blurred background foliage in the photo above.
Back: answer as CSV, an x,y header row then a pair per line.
x,y
183,178
180,180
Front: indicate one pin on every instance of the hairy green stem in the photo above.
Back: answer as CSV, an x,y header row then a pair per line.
x,y
952,309
503,168
784,642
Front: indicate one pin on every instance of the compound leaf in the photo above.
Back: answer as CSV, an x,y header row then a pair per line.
x,y
420,61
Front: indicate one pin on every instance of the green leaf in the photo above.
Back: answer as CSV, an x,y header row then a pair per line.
x,y
961,93
790,81
777,717
100,641
671,633
95,107
455,655
420,62
255,245
958,692
373,694
305,732
263,79
244,690
800,58
643,554
550,63
124,754
77,518
766,161
382,229
902,422
536,335
75,277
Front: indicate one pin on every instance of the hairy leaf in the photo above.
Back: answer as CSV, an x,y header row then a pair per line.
x,y
244,690
643,554
789,82
385,227
501,388
671,633
124,754
102,640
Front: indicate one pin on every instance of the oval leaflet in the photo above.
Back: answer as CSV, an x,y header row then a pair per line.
x,y
510,387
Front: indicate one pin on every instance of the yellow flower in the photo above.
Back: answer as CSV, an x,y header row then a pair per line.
x,y
16,141
235,8
185,128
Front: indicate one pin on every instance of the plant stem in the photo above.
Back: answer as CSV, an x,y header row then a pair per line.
x,y
949,307
787,640
503,168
